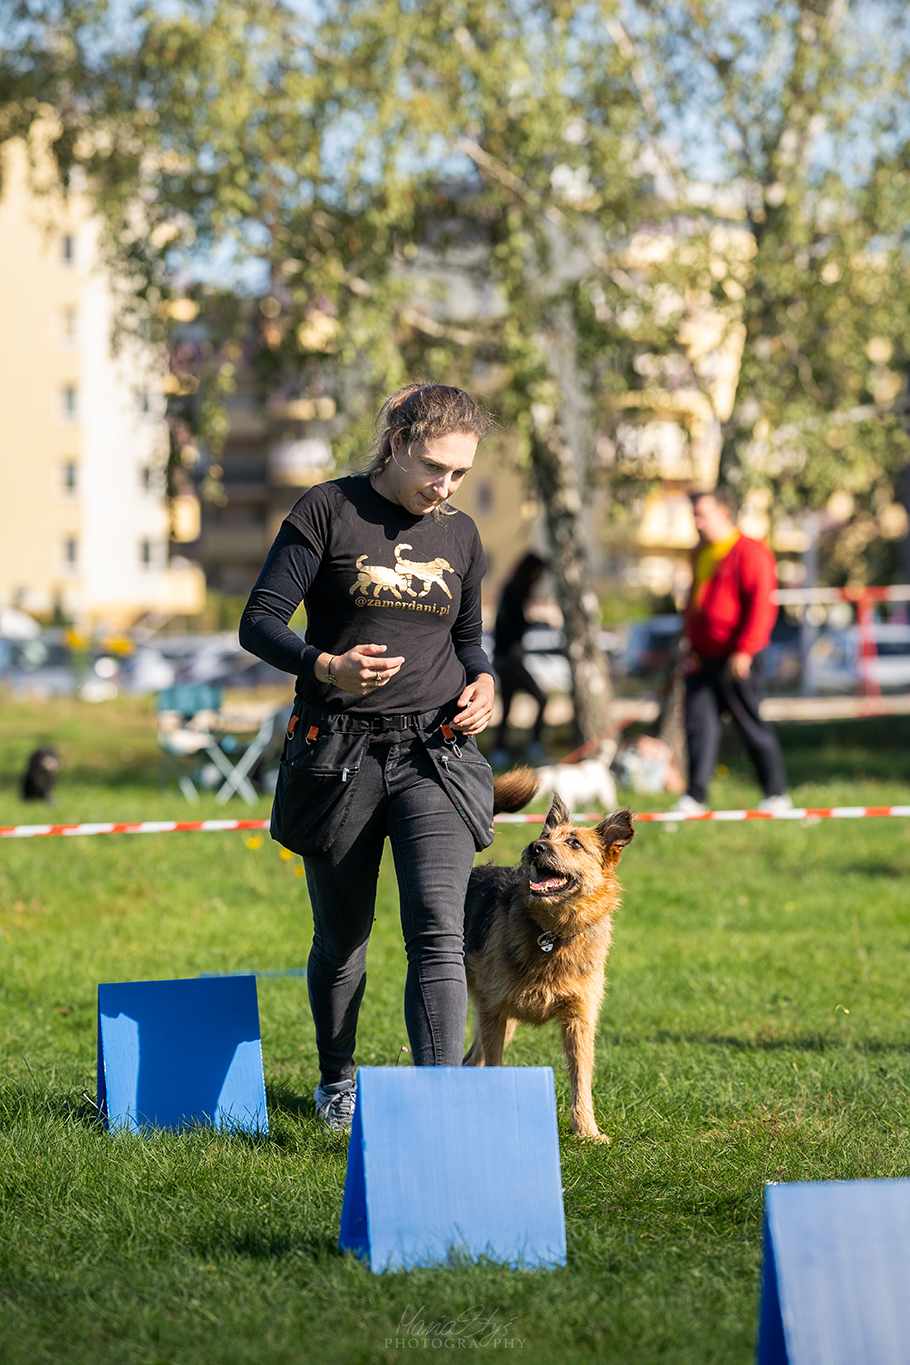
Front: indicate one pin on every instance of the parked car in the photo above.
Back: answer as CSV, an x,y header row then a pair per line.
x,y
46,666
837,664
546,658
146,670
780,662
651,645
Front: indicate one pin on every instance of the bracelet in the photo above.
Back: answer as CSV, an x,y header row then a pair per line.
x,y
330,670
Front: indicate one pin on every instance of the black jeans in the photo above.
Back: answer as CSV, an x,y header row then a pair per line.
x,y
709,694
397,794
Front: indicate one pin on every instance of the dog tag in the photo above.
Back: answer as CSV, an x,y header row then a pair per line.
x,y
546,942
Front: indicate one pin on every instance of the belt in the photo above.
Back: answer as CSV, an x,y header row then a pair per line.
x,y
349,722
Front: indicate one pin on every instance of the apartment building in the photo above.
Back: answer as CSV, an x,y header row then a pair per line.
x,y
83,520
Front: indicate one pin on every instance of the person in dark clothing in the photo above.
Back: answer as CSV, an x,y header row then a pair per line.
x,y
728,621
508,652
392,686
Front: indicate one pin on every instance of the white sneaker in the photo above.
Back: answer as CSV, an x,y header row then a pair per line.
x,y
335,1105
776,805
687,805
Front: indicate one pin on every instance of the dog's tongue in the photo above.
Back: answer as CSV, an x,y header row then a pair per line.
x,y
548,884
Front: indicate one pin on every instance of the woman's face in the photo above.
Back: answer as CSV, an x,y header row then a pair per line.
x,y
424,474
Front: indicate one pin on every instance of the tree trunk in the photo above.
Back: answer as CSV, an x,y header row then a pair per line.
x,y
671,719
556,475
560,455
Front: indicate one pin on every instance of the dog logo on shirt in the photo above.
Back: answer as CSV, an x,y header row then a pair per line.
x,y
374,579
431,572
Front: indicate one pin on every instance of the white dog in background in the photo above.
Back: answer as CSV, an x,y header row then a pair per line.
x,y
581,785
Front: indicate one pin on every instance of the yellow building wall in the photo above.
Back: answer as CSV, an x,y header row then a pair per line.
x,y
36,440
56,312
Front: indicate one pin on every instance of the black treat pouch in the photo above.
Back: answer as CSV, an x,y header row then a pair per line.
x,y
467,778
316,778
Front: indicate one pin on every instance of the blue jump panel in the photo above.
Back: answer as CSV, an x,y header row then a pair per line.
x,y
450,1158
172,1054
836,1273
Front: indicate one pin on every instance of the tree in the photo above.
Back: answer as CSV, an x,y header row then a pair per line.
x,y
326,153
321,158
797,111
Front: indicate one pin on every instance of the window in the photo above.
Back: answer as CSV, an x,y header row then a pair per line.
x,y
70,477
71,552
68,248
145,553
70,401
145,401
70,322
147,478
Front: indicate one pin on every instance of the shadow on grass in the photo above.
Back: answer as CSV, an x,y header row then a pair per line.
x,y
82,1111
79,1109
874,749
265,1245
281,1099
870,868
813,1043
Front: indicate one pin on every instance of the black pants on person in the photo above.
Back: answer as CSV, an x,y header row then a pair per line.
x,y
397,795
711,692
514,677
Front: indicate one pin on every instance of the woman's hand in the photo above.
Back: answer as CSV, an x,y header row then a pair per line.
x,y
475,706
360,670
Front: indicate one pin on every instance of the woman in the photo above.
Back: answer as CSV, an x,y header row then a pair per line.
x,y
392,685
509,657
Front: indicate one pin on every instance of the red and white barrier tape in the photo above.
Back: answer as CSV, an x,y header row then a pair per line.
x,y
643,817
130,827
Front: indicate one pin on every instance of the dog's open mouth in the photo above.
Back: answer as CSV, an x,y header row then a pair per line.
x,y
549,883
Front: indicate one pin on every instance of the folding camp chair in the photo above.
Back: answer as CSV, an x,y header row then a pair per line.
x,y
186,715
240,758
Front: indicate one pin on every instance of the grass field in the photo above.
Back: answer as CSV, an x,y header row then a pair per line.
x,y
755,1028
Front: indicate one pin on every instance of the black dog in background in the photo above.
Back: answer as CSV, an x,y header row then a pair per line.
x,y
40,775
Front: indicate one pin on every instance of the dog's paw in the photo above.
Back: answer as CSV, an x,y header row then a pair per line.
x,y
592,1135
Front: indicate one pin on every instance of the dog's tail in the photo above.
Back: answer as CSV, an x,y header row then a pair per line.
x,y
514,789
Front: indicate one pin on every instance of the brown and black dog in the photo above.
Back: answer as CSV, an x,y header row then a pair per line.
x,y
537,938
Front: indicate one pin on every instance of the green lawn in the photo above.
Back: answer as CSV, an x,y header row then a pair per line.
x,y
755,1028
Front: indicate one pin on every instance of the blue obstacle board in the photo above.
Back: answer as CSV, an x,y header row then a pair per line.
x,y
173,1054
836,1273
457,1159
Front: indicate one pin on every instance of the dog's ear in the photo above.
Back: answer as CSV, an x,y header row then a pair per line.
x,y
615,832
557,814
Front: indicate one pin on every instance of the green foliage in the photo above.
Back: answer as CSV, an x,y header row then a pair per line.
x,y
628,168
797,112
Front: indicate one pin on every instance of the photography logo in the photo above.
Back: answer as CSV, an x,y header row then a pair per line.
x,y
472,1330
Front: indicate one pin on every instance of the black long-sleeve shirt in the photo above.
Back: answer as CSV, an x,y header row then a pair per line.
x,y
370,572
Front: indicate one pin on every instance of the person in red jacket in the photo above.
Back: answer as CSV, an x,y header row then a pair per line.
x,y
728,620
